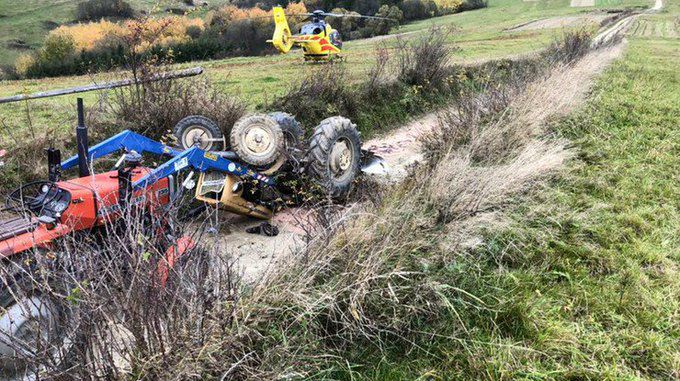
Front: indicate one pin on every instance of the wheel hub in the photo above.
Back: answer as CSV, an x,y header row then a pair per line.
x,y
340,158
257,140
196,136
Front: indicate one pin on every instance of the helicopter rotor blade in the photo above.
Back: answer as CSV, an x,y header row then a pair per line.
x,y
357,16
271,16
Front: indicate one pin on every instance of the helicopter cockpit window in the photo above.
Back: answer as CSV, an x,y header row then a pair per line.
x,y
336,39
311,29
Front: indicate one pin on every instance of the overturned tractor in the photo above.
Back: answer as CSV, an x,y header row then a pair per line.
x,y
240,174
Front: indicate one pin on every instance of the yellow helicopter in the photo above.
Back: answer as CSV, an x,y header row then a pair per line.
x,y
318,40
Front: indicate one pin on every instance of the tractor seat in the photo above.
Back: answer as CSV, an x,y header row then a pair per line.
x,y
17,226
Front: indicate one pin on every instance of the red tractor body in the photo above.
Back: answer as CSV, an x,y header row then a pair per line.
x,y
76,205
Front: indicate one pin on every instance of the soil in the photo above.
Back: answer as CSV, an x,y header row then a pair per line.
x,y
562,22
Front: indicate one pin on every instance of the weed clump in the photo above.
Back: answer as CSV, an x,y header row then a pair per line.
x,y
572,46
425,61
154,108
410,80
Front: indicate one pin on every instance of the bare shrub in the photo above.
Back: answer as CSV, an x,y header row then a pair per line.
x,y
569,48
469,5
322,93
122,309
153,108
461,123
424,61
379,72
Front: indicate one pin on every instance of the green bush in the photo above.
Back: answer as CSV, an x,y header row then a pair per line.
x,y
469,5
376,27
92,10
418,9
352,28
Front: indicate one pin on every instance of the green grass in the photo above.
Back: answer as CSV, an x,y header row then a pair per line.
x,y
582,283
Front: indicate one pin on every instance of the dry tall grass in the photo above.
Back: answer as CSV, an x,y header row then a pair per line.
x,y
377,281
114,313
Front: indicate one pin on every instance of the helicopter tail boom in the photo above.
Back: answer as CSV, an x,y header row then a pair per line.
x,y
282,35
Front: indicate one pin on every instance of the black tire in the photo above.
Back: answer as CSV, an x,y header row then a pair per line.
x,y
191,130
244,140
292,129
13,367
335,178
293,135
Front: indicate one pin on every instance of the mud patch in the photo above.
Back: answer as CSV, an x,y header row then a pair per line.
x,y
401,148
562,22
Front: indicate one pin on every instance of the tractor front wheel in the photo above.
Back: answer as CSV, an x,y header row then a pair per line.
x,y
334,155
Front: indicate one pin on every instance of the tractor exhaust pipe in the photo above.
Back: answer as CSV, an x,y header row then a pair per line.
x,y
81,141
53,164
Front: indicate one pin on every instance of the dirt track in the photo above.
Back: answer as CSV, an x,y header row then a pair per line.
x,y
561,22
255,254
623,24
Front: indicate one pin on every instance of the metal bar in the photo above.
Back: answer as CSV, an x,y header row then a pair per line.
x,y
108,85
82,142
126,140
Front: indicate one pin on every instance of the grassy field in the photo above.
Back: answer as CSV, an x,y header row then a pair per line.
x,y
479,35
582,282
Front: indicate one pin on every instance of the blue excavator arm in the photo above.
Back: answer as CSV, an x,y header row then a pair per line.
x,y
126,141
202,161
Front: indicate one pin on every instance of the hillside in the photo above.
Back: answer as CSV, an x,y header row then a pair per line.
x,y
23,25
477,35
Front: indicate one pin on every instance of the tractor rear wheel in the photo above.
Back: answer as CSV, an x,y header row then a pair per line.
x,y
334,155
258,140
199,131
293,135
293,132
